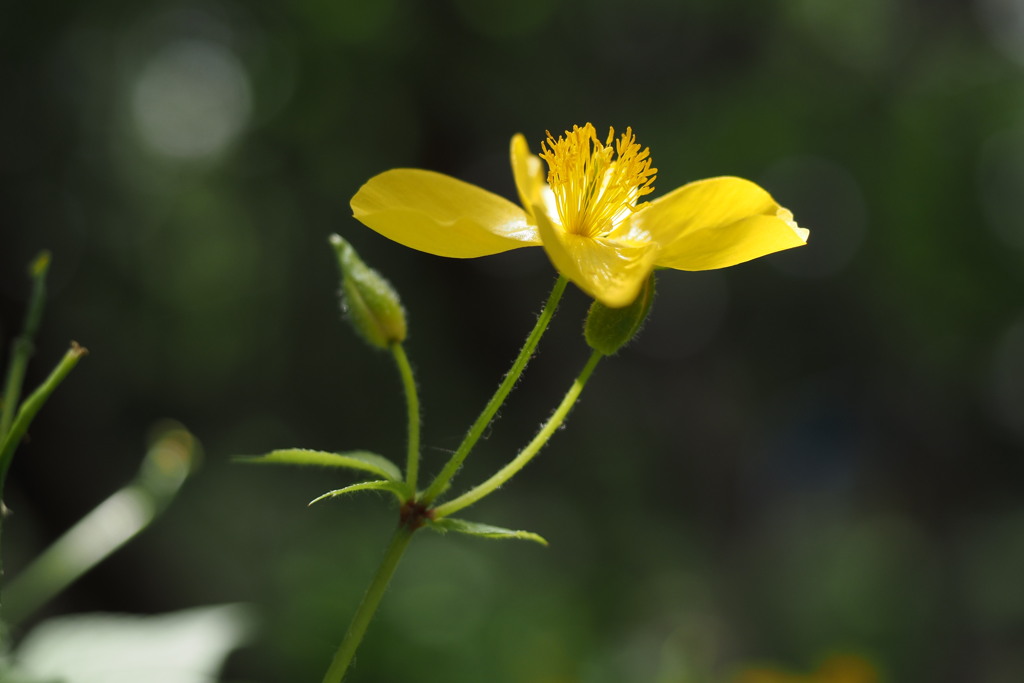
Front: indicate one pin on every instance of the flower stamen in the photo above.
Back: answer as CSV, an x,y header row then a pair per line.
x,y
596,186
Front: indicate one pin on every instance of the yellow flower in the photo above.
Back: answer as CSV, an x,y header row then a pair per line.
x,y
585,212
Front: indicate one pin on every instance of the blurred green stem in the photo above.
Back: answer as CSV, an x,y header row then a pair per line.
x,y
22,347
109,526
412,402
527,454
9,442
31,406
368,607
443,479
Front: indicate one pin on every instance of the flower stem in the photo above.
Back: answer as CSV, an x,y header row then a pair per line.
x,y
28,409
412,403
527,454
21,348
368,607
9,442
444,478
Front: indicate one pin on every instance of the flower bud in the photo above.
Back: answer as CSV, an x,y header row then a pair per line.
x,y
372,304
609,329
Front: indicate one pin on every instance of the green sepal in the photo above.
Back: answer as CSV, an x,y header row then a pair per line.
x,y
609,329
398,488
353,460
463,526
372,304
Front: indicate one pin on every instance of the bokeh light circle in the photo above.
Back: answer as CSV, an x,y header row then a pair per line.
x,y
191,100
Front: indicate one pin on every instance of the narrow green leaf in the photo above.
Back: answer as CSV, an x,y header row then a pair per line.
x,y
483,530
355,460
398,488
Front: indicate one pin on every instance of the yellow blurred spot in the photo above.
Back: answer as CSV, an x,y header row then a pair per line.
x,y
173,451
40,264
841,668
847,669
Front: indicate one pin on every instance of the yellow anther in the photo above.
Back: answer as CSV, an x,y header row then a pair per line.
x,y
595,185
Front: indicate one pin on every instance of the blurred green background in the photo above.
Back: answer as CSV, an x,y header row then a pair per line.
x,y
816,452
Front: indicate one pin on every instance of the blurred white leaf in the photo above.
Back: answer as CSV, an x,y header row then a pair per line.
x,y
189,646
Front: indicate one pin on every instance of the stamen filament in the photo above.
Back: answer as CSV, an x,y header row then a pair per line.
x,y
596,186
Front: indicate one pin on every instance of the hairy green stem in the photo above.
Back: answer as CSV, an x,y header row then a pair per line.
x,y
412,403
368,607
443,479
21,348
531,449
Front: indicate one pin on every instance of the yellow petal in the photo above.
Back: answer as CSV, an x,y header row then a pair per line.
x,y
440,215
528,170
742,241
716,223
611,271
